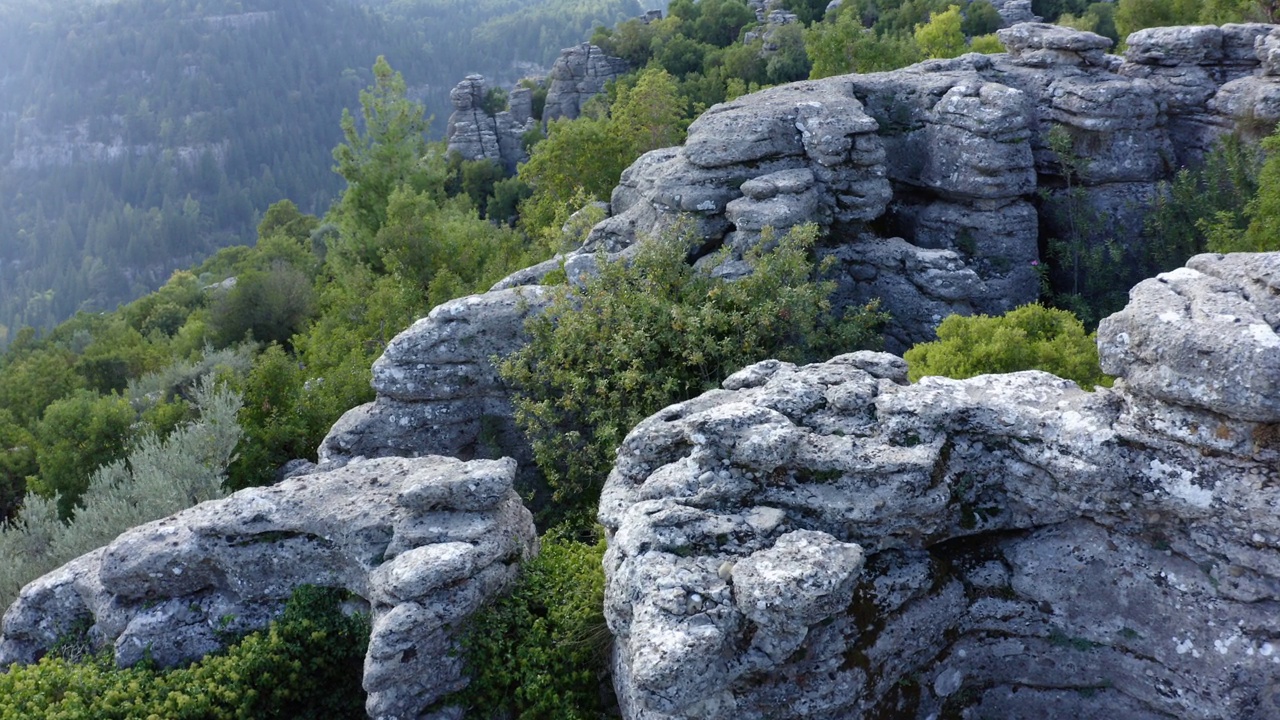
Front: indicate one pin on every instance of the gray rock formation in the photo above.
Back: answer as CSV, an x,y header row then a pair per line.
x,y
423,542
829,542
438,392
580,73
954,156
476,135
1209,80
935,181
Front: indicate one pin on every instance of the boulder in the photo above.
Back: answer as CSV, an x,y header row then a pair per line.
x,y
438,392
1203,336
829,541
421,543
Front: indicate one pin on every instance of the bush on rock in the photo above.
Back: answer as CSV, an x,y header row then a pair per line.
x,y
1032,337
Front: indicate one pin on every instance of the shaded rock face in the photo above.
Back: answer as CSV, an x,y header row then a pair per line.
x,y
476,135
580,73
424,542
952,156
438,392
827,541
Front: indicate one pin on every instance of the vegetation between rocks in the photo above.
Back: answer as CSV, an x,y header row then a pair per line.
x,y
651,331
307,664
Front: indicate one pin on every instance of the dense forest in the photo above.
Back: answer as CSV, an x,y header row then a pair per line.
x,y
279,335
137,137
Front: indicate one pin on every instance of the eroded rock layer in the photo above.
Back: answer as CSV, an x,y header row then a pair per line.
x,y
827,541
421,542
953,156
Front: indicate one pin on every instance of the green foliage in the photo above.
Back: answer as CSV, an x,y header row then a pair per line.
x,y
167,309
1208,201
1032,337
649,113
17,461
942,36
266,305
655,331
494,101
589,154
284,218
386,151
981,18
307,664
1134,15
540,653
278,421
30,382
78,434
1262,212
842,45
158,478
986,44
1091,273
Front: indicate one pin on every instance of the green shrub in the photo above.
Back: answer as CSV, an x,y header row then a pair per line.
x,y
1200,203
540,653
645,334
1032,337
1227,232
158,478
308,664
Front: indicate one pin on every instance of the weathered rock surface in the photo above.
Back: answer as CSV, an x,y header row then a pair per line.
x,y
935,183
580,73
827,541
1203,336
438,392
424,542
476,135
954,155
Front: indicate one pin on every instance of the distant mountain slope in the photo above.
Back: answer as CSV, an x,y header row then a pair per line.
x,y
138,136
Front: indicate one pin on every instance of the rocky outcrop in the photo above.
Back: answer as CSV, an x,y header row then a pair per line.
x,y
422,543
935,182
953,156
438,392
475,134
1013,12
828,541
580,73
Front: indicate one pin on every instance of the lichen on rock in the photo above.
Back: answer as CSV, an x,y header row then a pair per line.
x,y
828,541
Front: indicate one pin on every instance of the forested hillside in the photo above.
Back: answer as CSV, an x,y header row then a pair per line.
x,y
137,137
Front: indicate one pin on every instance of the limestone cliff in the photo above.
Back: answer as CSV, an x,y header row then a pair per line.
x,y
828,541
